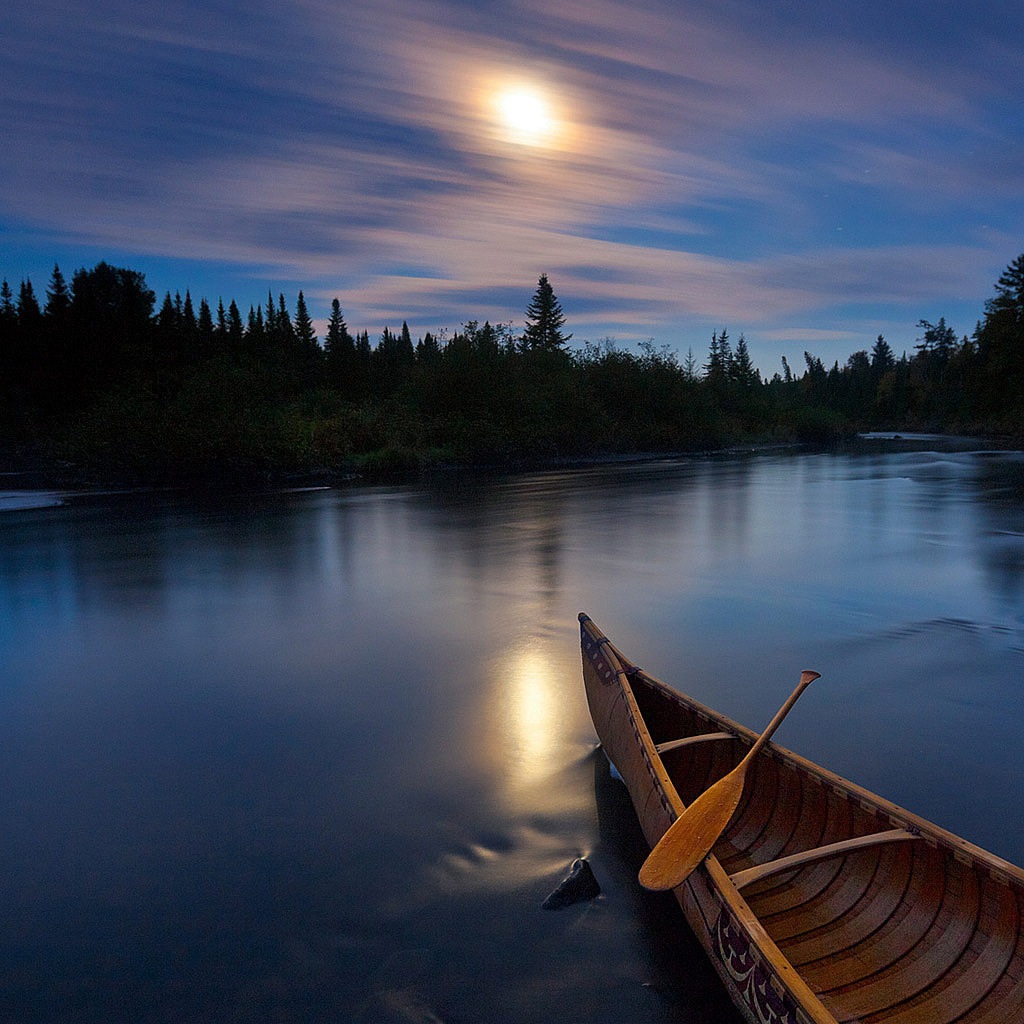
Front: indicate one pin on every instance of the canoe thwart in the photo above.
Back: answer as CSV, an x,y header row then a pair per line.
x,y
664,748
796,860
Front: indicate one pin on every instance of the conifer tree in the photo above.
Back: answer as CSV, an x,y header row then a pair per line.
x,y
743,371
725,351
29,314
8,314
338,339
690,365
58,298
167,318
236,332
111,327
716,370
1000,342
427,349
283,322
304,332
1001,334
255,329
188,315
882,358
56,331
270,318
205,322
545,320
339,350
9,356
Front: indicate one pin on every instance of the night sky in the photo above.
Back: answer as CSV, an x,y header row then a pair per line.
x,y
811,174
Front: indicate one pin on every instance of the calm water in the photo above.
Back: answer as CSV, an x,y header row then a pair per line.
x,y
320,755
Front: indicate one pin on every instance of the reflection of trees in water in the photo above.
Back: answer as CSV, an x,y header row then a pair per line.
x,y
634,515
728,493
139,551
999,492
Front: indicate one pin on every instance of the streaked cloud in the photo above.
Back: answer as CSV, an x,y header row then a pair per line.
x,y
797,172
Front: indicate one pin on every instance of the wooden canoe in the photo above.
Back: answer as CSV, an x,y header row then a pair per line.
x,y
821,902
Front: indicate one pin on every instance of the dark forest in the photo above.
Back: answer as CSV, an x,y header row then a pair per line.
x,y
97,378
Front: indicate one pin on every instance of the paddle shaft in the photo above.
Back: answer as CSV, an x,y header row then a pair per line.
x,y
690,837
806,678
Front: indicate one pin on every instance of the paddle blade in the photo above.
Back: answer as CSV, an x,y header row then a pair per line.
x,y
690,837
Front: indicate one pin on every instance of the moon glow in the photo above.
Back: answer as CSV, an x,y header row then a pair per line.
x,y
525,116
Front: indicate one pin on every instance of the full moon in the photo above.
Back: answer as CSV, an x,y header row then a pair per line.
x,y
525,115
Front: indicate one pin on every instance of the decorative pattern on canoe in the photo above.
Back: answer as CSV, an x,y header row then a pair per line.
x,y
752,981
594,650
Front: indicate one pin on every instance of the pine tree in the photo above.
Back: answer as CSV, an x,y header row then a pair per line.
x,y
743,371
716,369
882,358
304,332
188,316
58,298
255,330
270,318
427,349
7,311
30,316
283,322
236,331
167,318
338,343
339,349
690,365
725,351
544,320
205,323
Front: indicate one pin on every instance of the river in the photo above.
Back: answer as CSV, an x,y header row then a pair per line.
x,y
319,754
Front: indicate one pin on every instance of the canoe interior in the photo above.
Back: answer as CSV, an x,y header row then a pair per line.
x,y
924,931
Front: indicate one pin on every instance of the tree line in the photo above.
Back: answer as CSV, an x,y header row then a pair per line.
x,y
95,374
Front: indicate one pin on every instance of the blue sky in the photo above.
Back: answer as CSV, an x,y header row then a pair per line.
x,y
808,174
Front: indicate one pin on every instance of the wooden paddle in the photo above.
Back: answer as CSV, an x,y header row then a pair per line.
x,y
690,837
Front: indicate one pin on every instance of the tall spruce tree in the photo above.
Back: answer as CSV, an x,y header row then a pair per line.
x,y
716,369
339,349
236,330
544,320
304,332
882,358
58,297
204,322
743,371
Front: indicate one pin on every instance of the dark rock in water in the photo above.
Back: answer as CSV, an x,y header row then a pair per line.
x,y
579,884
